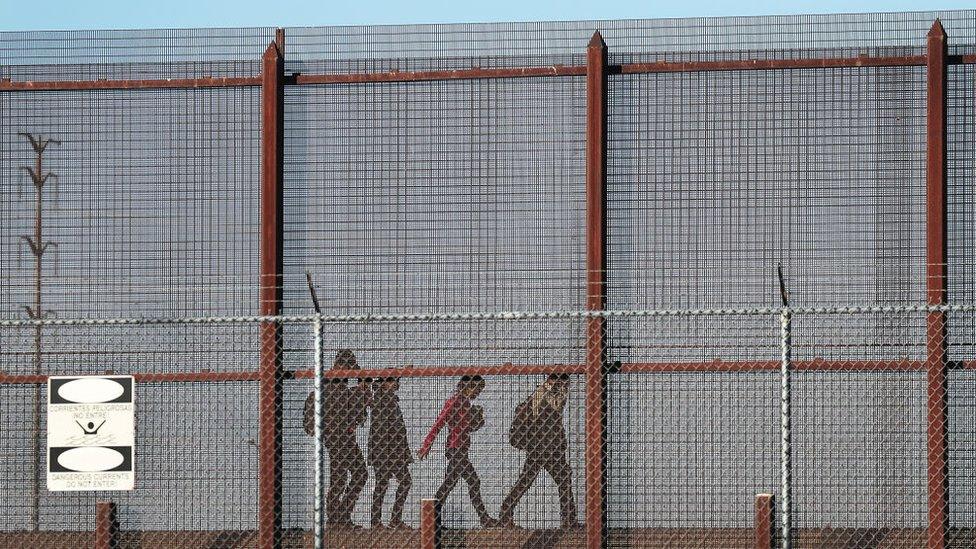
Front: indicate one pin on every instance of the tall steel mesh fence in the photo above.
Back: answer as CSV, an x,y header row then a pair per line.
x,y
452,169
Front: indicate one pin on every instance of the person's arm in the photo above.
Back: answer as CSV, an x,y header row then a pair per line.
x,y
436,428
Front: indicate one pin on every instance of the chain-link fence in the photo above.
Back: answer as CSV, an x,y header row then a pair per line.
x,y
835,412
653,166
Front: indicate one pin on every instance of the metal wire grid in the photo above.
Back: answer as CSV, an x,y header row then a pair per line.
x,y
442,196
706,440
828,163
962,455
196,442
153,211
424,47
119,54
888,288
962,204
687,454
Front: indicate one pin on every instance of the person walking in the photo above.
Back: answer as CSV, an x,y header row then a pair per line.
x,y
538,429
462,418
388,452
344,410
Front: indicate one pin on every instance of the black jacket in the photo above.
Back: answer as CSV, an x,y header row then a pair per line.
x,y
388,443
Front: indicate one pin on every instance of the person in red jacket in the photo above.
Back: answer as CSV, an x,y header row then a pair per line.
x,y
462,418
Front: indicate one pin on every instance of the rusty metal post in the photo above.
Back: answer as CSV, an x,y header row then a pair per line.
x,y
596,297
937,274
764,524
272,239
430,524
106,525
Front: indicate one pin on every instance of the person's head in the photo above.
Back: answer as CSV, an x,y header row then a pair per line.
x,y
345,360
559,383
558,380
390,384
471,386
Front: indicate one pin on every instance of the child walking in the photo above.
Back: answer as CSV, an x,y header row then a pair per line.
x,y
462,418
388,452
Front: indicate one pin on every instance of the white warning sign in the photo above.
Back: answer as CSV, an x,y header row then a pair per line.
x,y
90,433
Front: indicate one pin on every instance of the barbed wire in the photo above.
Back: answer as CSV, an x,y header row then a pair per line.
x,y
495,315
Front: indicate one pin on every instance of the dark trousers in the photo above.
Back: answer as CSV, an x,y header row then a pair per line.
x,y
459,466
347,477
404,482
558,468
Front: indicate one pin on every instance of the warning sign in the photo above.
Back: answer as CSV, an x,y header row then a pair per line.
x,y
90,433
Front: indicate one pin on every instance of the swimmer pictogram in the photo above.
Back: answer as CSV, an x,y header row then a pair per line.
x,y
90,429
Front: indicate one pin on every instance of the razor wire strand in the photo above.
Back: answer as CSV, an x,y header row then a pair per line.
x,y
496,315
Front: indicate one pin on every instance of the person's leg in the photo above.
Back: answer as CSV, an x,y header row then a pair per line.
x,y
379,492
530,470
404,482
451,476
558,467
338,475
358,475
470,476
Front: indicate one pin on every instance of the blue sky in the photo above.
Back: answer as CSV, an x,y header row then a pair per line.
x,y
94,14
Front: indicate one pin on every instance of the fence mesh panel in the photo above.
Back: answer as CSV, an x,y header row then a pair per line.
x,y
421,206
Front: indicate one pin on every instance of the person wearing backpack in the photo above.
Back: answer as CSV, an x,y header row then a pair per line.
x,y
538,430
343,412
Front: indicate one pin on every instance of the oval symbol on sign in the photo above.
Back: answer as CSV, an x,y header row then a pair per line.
x,y
90,459
91,390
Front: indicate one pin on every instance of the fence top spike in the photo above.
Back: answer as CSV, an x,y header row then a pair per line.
x,y
937,30
272,50
597,41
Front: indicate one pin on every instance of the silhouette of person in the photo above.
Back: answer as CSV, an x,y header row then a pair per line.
x,y
462,418
90,429
545,448
343,411
388,451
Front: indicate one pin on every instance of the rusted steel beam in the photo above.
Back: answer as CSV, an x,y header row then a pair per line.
x,y
969,59
75,85
106,525
768,64
596,297
478,73
272,239
815,365
764,522
143,377
427,76
506,369
937,274
430,524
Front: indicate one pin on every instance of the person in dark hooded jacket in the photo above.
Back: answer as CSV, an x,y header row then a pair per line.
x,y
388,451
343,412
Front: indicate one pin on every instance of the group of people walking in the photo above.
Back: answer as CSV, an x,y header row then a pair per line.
x,y
537,428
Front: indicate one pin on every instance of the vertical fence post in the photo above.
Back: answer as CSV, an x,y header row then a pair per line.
x,y
596,273
936,227
764,522
106,525
786,465
430,524
318,505
270,399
